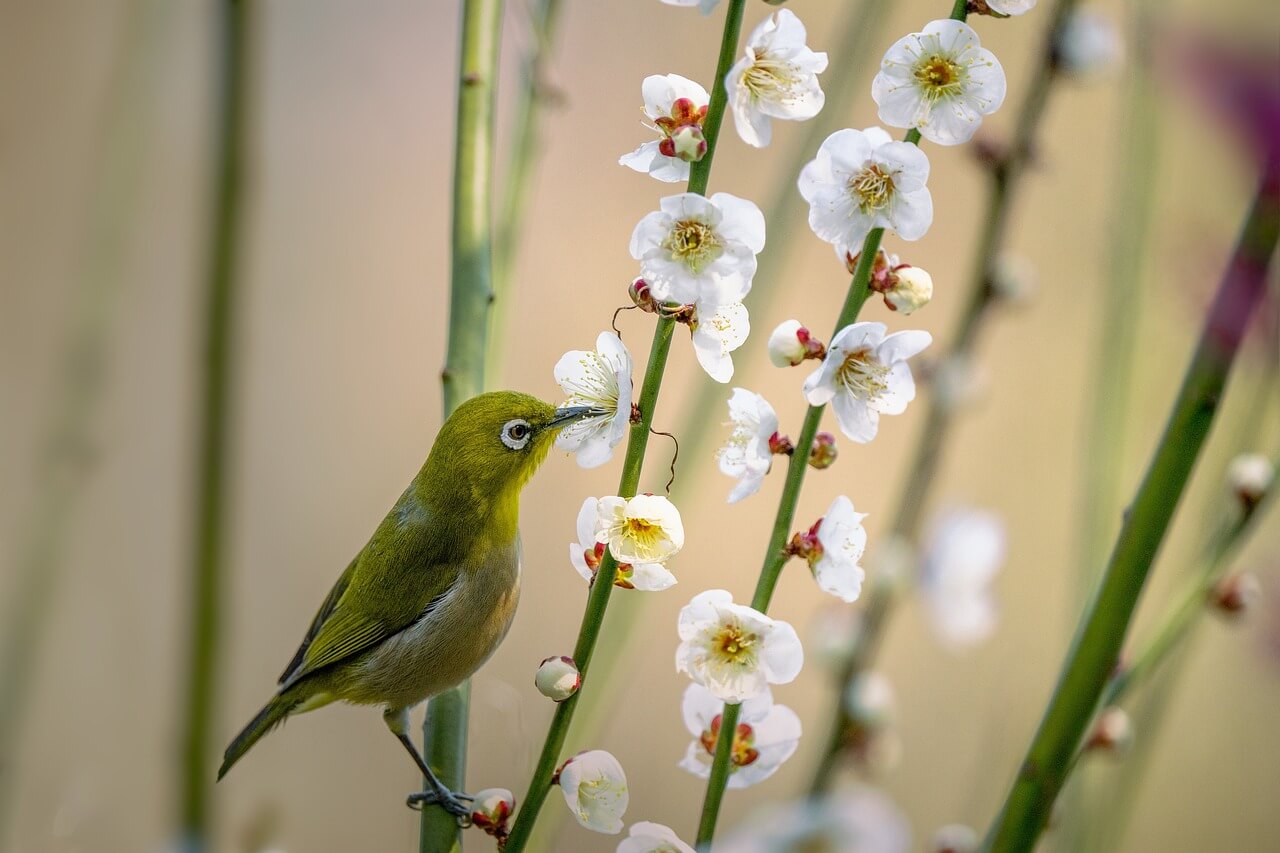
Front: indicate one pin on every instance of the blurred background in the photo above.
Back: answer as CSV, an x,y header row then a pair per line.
x,y
105,163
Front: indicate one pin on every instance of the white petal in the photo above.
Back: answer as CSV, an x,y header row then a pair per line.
x,y
857,420
595,789
646,837
586,523
651,577
783,655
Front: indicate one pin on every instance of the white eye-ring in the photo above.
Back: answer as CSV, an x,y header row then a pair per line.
x,y
516,434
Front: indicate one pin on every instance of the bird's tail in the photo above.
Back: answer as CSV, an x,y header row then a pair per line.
x,y
272,715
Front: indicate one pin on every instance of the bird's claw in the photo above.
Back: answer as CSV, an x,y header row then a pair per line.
x,y
449,801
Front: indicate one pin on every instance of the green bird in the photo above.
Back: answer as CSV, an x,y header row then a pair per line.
x,y
429,598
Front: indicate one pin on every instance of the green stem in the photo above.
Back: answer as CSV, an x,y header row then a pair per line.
x,y
908,517
526,151
444,728
1094,653
637,442
221,291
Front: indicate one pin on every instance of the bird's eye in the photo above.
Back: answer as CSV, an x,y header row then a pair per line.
x,y
515,434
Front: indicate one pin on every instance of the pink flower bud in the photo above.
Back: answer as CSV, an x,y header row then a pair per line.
x,y
1112,732
824,451
1235,594
640,295
491,810
557,678
790,343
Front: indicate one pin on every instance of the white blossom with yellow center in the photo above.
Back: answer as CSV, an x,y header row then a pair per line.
x,y
863,179
717,333
586,553
595,789
734,651
648,837
747,455
664,95
767,735
601,380
776,78
697,250
843,540
940,81
865,375
644,529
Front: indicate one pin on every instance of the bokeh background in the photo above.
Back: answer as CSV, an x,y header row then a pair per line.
x,y
105,146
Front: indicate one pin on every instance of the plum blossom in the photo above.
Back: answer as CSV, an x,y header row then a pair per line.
x,y
595,789
705,6
857,820
777,77
839,541
865,375
716,334
863,179
643,529
965,551
1088,44
602,380
734,651
585,556
940,81
697,250
748,453
791,343
1005,7
675,107
647,837
767,735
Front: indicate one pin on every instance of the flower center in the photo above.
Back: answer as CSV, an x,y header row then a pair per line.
x,y
734,645
872,188
744,741
862,374
684,113
595,385
694,243
938,77
770,79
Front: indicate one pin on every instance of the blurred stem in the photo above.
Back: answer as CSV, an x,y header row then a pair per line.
x,y
637,442
1004,176
776,555
66,454
444,729
213,452
1094,653
526,151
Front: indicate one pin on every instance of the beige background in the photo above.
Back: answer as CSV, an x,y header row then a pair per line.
x,y
342,324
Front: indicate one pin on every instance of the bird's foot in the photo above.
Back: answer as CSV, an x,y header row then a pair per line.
x,y
447,800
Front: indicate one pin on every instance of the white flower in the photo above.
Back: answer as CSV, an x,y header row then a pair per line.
x,y
860,820
913,290
716,335
644,529
965,551
704,5
1006,7
747,454
646,837
595,789
941,81
602,380
863,179
699,250
670,103
956,837
586,554
842,539
734,651
1088,44
767,735
865,375
776,78
1250,476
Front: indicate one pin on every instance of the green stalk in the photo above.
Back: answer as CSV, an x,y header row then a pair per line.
x,y
1093,655
444,729
637,443
221,292
65,458
1004,177
776,555
526,151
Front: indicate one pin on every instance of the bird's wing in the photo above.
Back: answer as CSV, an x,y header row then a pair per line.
x,y
322,615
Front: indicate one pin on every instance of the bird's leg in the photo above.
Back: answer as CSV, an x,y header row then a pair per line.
x,y
397,719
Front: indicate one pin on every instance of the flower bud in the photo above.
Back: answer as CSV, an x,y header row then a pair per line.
x,y
790,343
640,295
780,445
1236,593
1250,476
955,838
824,451
913,289
491,810
558,678
1112,732
688,143
1087,44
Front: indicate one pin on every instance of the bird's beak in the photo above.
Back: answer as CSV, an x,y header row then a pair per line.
x,y
567,415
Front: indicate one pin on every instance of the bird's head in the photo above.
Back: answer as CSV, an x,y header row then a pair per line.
x,y
493,443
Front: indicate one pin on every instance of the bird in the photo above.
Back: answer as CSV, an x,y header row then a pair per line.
x,y
431,596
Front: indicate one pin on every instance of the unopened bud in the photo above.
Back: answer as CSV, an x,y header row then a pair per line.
x,y
491,810
1250,477
806,545
1236,593
1087,44
955,838
912,290
558,678
790,343
640,295
869,700
688,143
824,451
1112,732
780,445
